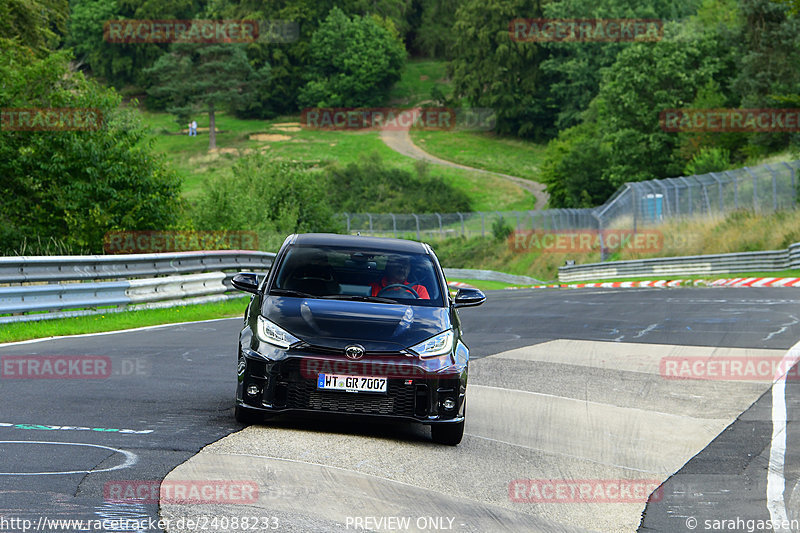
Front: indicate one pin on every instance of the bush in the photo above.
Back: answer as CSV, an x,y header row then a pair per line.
x,y
372,187
272,198
708,160
501,229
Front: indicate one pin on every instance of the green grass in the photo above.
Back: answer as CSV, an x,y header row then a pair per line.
x,y
190,158
418,79
485,285
483,150
122,320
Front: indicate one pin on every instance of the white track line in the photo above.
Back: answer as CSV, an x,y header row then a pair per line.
x,y
776,483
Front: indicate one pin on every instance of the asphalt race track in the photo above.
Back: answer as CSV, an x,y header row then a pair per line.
x,y
576,418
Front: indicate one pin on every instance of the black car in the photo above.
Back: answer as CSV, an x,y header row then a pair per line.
x,y
356,325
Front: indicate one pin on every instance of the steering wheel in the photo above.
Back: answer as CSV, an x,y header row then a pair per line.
x,y
398,286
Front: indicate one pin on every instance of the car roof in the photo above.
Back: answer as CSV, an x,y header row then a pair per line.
x,y
374,243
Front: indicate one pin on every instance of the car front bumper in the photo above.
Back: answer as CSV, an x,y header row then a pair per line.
x,y
416,389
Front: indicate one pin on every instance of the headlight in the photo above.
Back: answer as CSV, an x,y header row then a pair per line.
x,y
435,346
272,333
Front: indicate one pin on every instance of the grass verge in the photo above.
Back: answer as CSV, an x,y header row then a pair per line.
x,y
122,320
484,150
485,285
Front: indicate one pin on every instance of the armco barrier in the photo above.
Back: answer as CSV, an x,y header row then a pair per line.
x,y
489,275
768,261
92,267
140,280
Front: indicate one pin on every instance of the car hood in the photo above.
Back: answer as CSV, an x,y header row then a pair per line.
x,y
338,323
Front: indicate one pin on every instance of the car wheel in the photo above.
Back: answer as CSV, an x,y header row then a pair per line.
x,y
449,434
244,415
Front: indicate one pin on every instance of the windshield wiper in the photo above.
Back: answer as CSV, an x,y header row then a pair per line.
x,y
290,292
359,298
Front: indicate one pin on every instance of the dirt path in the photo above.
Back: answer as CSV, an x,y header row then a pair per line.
x,y
400,141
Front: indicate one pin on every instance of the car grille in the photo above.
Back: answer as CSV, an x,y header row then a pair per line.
x,y
398,400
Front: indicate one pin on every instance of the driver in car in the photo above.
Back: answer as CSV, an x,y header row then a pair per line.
x,y
397,269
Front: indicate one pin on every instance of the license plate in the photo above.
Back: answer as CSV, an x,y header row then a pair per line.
x,y
351,383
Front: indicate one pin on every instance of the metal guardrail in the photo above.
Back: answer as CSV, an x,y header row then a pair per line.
x,y
91,267
489,275
72,282
768,261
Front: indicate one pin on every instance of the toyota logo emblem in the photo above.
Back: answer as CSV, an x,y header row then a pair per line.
x,y
354,351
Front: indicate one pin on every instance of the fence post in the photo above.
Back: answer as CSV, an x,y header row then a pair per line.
x,y
774,187
370,223
483,224
791,174
463,232
441,229
735,188
347,216
719,190
417,219
394,224
755,189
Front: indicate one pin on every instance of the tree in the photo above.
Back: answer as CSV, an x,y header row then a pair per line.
x,y
208,78
620,138
35,24
573,167
768,75
121,64
648,78
435,37
289,59
353,62
491,70
576,67
75,186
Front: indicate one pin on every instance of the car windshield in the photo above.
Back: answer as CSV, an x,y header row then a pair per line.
x,y
358,274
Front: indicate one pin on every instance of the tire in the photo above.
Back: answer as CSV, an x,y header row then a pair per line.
x,y
449,434
243,415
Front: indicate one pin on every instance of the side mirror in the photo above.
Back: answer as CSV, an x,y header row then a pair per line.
x,y
246,281
469,298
